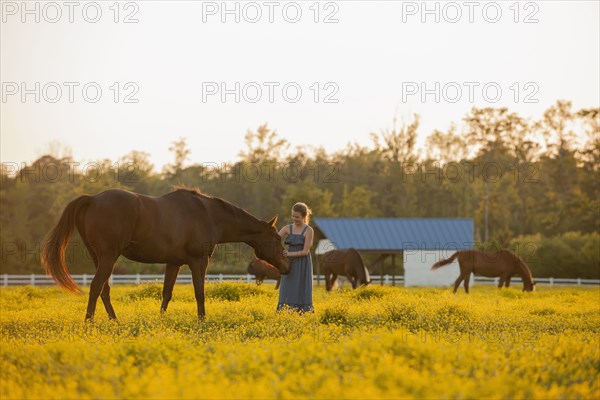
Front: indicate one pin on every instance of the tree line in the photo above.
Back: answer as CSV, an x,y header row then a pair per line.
x,y
530,185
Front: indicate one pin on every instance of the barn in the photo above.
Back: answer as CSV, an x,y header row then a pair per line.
x,y
420,242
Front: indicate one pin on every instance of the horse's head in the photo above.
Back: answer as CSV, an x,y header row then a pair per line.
x,y
262,269
524,271
267,246
252,270
367,278
363,281
529,286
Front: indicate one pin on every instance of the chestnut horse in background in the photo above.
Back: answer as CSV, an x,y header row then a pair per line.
x,y
262,269
499,263
181,227
346,262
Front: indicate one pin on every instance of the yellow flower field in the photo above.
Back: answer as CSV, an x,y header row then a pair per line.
x,y
378,342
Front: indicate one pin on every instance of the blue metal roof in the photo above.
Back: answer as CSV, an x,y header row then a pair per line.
x,y
394,234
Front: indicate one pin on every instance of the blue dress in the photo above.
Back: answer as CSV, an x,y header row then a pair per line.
x,y
295,290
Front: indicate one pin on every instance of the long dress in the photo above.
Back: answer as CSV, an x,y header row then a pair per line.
x,y
295,290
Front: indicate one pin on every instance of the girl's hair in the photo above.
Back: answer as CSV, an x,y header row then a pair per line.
x,y
303,210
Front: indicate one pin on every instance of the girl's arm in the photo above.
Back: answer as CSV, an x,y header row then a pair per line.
x,y
308,242
283,232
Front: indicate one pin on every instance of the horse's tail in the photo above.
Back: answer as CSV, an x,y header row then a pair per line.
x,y
55,243
447,261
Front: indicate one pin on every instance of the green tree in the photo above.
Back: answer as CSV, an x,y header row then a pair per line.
x,y
561,198
397,148
319,200
136,171
446,147
263,145
356,203
181,153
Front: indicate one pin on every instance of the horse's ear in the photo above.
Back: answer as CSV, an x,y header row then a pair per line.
x,y
273,221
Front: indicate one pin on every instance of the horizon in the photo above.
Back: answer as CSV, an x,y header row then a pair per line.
x,y
60,151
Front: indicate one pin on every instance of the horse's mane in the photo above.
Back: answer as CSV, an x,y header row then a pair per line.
x,y
193,190
235,211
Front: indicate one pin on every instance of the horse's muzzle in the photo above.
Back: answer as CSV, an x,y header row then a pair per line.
x,y
286,267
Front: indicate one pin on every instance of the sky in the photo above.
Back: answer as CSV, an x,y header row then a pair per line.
x,y
103,80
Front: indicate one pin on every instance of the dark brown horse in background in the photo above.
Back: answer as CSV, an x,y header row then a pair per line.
x,y
262,269
346,262
500,263
181,227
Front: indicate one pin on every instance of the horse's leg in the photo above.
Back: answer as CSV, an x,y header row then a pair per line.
x,y
353,281
507,283
333,280
457,283
467,279
105,295
327,280
501,281
278,283
198,275
106,263
170,278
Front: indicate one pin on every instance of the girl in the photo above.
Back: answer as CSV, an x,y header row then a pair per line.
x,y
296,287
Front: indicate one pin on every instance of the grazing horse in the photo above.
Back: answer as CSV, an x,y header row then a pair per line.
x,y
499,263
262,269
346,262
181,227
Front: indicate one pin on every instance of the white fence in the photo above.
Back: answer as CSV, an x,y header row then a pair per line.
x,y
86,279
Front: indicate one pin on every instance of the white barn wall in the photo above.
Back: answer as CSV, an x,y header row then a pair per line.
x,y
417,269
324,246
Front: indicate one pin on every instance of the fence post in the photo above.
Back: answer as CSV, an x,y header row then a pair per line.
x,y
247,278
551,281
32,280
496,280
578,281
84,280
387,279
137,278
220,277
5,279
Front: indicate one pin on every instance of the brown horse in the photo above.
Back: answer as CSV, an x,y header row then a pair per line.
x,y
262,269
181,227
346,262
500,263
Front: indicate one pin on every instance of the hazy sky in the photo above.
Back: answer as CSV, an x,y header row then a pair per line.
x,y
374,61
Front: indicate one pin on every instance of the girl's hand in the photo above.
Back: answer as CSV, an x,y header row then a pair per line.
x,y
285,253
